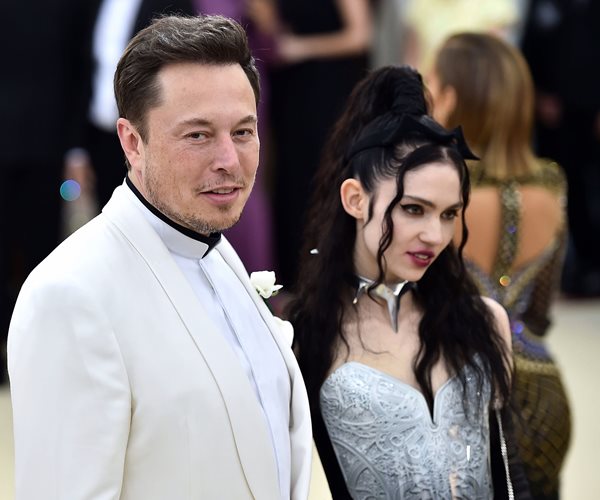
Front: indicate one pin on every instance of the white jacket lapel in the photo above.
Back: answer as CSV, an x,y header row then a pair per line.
x,y
300,425
245,415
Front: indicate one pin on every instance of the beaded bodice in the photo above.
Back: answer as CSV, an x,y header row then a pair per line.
x,y
526,293
512,289
389,446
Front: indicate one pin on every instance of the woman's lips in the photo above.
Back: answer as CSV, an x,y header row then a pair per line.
x,y
421,259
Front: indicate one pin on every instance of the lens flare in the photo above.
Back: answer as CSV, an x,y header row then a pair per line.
x,y
70,190
504,280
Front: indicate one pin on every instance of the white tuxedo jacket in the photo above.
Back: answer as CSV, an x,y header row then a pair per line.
x,y
123,389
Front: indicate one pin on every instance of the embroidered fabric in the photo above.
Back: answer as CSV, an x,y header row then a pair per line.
x,y
389,446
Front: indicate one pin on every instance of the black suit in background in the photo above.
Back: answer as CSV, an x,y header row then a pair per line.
x,y
43,68
306,99
561,43
103,147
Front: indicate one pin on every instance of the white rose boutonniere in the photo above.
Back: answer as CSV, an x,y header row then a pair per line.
x,y
264,282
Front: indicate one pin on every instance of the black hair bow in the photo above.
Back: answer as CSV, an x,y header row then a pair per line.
x,y
380,133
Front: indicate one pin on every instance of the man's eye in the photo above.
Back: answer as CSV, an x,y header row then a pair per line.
x,y
412,209
244,132
196,135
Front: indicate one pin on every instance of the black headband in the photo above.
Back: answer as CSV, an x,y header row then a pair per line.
x,y
379,135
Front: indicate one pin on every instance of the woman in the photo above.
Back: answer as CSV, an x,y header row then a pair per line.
x,y
517,230
402,358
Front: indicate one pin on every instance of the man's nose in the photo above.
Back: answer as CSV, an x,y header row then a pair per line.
x,y
225,154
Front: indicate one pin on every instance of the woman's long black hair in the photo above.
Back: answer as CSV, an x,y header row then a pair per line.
x,y
456,324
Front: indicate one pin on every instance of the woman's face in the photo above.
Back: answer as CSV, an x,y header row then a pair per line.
x,y
424,223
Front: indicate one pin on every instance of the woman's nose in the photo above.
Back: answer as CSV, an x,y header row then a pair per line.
x,y
432,232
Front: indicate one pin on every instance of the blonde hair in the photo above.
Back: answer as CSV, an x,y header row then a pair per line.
x,y
494,101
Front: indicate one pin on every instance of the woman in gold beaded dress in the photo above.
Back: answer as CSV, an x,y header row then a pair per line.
x,y
517,230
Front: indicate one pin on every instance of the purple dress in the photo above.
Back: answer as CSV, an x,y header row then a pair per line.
x,y
252,236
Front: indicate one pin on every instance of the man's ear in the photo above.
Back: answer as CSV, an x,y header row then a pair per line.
x,y
131,142
354,199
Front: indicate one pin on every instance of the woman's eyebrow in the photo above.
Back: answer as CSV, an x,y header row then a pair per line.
x,y
428,203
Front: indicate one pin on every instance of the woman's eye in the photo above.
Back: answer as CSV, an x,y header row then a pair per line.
x,y
450,214
412,209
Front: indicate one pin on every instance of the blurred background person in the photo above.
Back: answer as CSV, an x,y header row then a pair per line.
x,y
387,48
427,23
517,230
252,237
95,159
561,42
321,49
43,68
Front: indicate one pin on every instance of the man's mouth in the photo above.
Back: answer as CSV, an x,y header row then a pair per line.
x,y
222,195
222,190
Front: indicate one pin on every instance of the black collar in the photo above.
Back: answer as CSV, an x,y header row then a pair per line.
x,y
211,240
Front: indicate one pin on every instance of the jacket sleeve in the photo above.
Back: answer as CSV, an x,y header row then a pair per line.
x,y
70,395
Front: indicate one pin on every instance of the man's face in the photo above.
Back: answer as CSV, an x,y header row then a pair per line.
x,y
200,157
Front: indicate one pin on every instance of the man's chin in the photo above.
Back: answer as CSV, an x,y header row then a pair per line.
x,y
228,225
218,224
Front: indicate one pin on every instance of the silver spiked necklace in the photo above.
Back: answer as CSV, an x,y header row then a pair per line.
x,y
390,294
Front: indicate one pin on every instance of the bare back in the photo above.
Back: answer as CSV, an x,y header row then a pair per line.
x,y
517,236
541,220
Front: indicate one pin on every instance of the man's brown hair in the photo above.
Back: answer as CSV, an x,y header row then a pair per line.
x,y
172,39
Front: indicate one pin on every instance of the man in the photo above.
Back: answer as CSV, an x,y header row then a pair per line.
x,y
143,364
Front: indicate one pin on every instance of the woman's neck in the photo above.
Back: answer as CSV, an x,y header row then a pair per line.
x,y
387,296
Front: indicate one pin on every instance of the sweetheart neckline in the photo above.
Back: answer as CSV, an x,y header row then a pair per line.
x,y
433,415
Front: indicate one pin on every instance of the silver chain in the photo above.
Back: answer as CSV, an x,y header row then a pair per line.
x,y
503,449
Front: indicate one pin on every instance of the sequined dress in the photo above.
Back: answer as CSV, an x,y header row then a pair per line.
x,y
544,431
389,445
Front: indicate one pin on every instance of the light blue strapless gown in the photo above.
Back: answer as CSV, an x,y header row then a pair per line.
x,y
388,445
